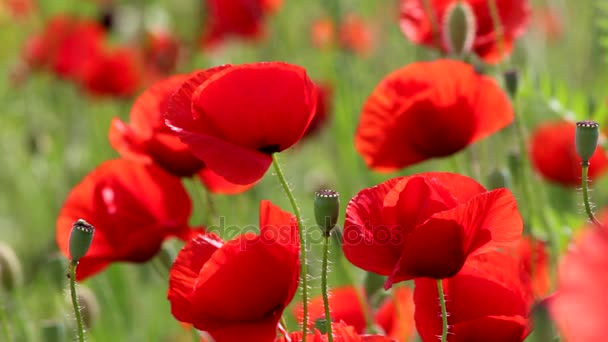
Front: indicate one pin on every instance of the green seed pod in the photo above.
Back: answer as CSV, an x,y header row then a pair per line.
x,y
11,272
459,28
80,239
53,331
586,137
499,178
327,208
511,78
321,325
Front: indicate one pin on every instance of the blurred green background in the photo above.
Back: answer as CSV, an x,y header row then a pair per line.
x,y
52,135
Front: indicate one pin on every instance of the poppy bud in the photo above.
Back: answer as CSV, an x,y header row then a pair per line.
x,y
53,331
327,207
80,239
499,178
514,163
459,28
11,273
543,325
511,78
587,135
321,325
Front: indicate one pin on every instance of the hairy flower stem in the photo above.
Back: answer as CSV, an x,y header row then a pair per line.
x,y
330,336
444,311
80,326
585,186
303,261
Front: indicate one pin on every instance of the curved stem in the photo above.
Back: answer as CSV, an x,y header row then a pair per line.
x,y
444,311
80,328
303,262
585,186
330,336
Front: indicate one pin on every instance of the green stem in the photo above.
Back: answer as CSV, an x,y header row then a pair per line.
x,y
444,311
80,329
585,185
303,261
4,320
330,336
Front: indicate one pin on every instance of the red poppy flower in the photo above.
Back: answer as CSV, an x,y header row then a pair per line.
x,y
322,33
237,291
580,305
341,332
115,73
426,110
488,300
18,9
234,117
65,45
323,112
553,154
355,35
161,52
426,225
345,305
514,15
236,18
396,314
534,261
133,207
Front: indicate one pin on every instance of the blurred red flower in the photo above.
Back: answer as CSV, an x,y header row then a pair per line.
x,y
514,15
580,305
133,207
344,304
241,18
234,117
323,112
534,262
488,300
322,33
396,314
65,45
426,225
355,35
113,73
18,9
161,52
341,332
550,22
426,110
148,139
556,138
237,291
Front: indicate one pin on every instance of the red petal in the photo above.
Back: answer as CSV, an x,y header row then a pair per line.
x,y
219,185
396,314
185,271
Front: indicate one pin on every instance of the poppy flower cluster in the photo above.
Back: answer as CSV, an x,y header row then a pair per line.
x,y
133,207
425,26
240,18
556,138
428,110
234,118
147,139
74,49
210,281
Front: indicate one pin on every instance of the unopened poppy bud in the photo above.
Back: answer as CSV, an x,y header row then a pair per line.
x,y
327,207
80,239
587,136
11,273
499,178
321,325
511,78
53,331
514,163
459,28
